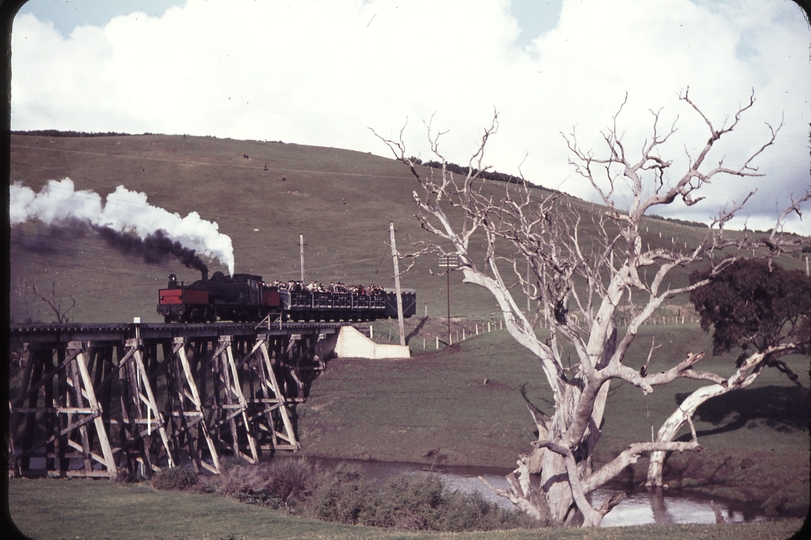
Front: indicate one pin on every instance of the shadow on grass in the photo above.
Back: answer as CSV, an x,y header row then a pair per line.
x,y
416,330
781,408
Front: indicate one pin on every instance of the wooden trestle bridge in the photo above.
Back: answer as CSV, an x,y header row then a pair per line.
x,y
118,400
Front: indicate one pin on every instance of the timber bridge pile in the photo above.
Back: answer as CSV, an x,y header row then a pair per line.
x,y
117,400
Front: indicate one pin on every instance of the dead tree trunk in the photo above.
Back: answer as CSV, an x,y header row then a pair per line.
x,y
594,275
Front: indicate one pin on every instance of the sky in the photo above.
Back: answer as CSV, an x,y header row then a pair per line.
x,y
327,73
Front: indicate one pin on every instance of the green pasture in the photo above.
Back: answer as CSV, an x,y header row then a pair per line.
x,y
340,200
461,405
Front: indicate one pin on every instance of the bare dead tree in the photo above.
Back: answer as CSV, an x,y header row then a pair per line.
x,y
54,302
595,263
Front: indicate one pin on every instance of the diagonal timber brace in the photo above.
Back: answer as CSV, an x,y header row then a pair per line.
x,y
171,395
69,418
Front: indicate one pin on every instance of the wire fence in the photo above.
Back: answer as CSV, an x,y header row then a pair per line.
x,y
433,340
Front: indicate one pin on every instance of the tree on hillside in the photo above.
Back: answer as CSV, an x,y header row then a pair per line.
x,y
30,295
752,304
582,268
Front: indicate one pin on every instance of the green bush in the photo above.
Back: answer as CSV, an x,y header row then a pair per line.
x,y
411,502
174,478
422,502
346,497
282,482
292,479
408,501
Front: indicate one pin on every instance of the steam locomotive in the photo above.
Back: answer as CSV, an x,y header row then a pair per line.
x,y
246,298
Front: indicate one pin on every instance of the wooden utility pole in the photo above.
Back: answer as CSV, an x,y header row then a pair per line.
x,y
301,252
397,284
448,262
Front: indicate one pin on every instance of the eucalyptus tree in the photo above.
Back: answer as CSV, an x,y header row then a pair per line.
x,y
754,305
506,235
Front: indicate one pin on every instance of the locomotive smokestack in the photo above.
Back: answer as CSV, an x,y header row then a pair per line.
x,y
204,271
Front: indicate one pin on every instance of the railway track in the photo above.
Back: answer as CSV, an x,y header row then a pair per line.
x,y
58,333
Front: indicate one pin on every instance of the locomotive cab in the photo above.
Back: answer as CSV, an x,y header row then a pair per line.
x,y
180,303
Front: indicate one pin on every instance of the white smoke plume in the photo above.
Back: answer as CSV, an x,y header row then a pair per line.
x,y
123,211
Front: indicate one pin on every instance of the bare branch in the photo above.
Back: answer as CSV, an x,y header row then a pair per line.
x,y
582,269
55,303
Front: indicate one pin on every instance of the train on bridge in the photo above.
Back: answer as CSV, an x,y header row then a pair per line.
x,y
247,298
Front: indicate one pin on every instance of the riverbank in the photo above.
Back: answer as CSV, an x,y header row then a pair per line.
x,y
463,406
87,509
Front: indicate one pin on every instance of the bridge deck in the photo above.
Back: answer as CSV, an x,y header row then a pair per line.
x,y
120,332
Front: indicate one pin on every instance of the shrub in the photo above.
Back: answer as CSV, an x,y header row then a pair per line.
x,y
412,502
282,482
346,497
422,502
408,501
292,479
174,478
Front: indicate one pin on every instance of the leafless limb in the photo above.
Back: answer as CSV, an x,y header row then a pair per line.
x,y
584,265
55,303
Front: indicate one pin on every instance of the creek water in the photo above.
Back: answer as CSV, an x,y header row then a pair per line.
x,y
638,508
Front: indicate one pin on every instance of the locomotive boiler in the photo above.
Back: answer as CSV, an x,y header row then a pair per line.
x,y
247,298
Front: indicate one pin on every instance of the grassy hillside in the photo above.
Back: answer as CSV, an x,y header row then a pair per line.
x,y
434,408
340,200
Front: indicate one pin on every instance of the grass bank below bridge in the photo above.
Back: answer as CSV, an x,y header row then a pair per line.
x,y
98,509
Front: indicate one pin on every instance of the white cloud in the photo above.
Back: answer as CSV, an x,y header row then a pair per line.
x,y
321,73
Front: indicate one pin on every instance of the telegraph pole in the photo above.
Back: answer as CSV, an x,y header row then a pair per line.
x,y
448,262
301,252
397,284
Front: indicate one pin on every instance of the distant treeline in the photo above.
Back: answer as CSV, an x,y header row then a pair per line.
x,y
58,133
704,226
677,221
487,175
503,177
